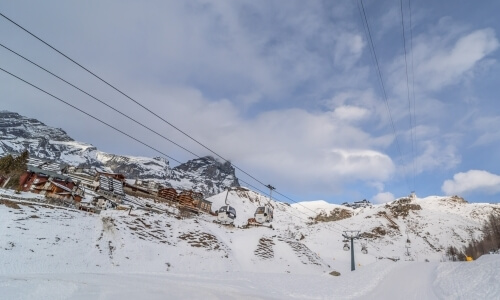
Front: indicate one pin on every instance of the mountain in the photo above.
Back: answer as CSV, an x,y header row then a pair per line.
x,y
205,175
296,243
410,228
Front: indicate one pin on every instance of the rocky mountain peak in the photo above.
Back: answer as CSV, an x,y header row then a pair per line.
x,y
13,125
18,133
208,175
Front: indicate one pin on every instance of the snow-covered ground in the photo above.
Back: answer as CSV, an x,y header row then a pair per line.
x,y
49,252
383,280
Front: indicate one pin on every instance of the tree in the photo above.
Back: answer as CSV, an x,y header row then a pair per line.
x,y
14,167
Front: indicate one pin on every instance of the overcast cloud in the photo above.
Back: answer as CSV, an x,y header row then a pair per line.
x,y
287,90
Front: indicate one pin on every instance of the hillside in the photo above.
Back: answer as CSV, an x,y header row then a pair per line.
x,y
296,243
162,254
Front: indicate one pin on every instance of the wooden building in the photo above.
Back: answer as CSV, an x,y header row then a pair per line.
x,y
50,184
168,194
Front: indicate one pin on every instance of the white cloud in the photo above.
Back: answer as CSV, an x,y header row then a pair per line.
x,y
383,197
472,181
436,154
438,64
350,113
287,146
487,128
348,49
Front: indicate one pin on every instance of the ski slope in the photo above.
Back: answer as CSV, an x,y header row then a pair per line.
x,y
383,280
49,252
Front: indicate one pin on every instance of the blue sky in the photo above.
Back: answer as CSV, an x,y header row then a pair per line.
x,y
287,90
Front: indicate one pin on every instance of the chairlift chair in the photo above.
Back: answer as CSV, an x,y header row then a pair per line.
x,y
346,247
263,214
226,214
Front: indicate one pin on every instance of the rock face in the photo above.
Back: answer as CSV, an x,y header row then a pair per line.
x,y
334,215
17,133
206,174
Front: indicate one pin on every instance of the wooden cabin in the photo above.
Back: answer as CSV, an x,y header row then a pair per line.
x,y
205,206
169,194
64,190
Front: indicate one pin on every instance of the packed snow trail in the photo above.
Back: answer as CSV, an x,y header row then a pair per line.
x,y
410,280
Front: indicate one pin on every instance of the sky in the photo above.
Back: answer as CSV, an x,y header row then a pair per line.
x,y
288,91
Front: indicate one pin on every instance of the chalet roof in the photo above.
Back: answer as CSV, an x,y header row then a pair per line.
x,y
45,164
48,173
62,186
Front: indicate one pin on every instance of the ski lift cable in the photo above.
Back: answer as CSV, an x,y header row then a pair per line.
x,y
413,92
109,125
364,19
89,115
328,224
103,122
133,100
408,90
129,97
41,40
257,189
100,101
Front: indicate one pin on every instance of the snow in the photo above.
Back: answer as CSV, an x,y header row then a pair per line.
x,y
383,280
49,252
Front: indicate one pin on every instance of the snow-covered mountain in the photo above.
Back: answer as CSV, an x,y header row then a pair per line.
x,y
18,133
290,260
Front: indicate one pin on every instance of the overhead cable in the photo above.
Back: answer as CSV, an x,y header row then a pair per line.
x,y
369,38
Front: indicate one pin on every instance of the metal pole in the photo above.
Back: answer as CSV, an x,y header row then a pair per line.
x,y
352,235
353,265
225,200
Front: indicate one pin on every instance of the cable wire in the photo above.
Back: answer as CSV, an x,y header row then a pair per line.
x,y
137,103
413,92
130,98
100,101
365,20
88,114
408,91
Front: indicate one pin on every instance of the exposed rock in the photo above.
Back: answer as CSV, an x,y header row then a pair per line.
x,y
205,175
334,215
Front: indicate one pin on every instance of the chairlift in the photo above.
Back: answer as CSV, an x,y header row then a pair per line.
x,y
226,214
346,247
364,250
263,214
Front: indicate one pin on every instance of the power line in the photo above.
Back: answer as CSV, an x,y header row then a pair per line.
x,y
111,126
120,131
136,102
365,20
408,91
128,97
100,101
413,89
88,114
